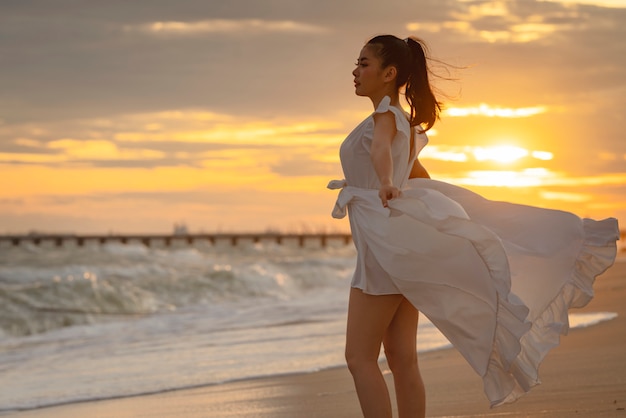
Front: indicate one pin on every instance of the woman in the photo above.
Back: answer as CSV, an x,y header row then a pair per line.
x,y
494,277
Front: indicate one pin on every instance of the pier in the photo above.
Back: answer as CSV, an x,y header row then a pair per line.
x,y
169,239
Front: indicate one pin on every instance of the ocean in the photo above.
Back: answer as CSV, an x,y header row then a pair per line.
x,y
113,320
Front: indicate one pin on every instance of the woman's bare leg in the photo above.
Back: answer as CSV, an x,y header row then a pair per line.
x,y
368,319
401,356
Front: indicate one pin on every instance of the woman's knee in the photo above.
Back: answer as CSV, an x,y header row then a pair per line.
x,y
358,360
401,359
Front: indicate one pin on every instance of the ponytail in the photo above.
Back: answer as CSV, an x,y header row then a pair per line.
x,y
425,108
410,59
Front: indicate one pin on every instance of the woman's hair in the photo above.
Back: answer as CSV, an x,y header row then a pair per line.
x,y
409,57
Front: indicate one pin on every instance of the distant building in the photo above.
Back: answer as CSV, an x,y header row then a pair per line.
x,y
180,229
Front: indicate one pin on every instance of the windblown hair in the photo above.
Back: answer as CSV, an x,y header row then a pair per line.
x,y
410,59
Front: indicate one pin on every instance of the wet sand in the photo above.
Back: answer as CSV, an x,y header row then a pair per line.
x,y
584,377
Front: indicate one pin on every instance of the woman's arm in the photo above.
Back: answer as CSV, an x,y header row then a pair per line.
x,y
380,153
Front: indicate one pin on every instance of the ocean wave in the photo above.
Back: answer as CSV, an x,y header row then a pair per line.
x,y
45,289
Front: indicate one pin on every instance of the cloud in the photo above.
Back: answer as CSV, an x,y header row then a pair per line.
x,y
226,26
490,111
24,146
506,178
99,149
304,165
192,137
129,57
618,4
500,21
566,196
537,177
498,153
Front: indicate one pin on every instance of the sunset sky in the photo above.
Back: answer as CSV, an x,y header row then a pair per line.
x,y
130,116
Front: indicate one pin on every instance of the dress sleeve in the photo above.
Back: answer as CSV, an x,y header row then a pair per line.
x,y
402,122
384,105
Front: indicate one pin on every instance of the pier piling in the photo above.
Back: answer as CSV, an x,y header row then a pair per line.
x,y
233,239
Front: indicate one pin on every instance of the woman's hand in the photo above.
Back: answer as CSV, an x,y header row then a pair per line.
x,y
388,192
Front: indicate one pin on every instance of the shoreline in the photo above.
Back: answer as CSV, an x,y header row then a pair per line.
x,y
582,377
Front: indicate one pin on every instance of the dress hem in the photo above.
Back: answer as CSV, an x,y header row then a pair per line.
x,y
593,259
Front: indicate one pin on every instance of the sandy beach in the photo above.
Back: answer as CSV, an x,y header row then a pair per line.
x,y
584,377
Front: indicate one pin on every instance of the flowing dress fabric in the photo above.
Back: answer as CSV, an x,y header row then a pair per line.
x,y
496,278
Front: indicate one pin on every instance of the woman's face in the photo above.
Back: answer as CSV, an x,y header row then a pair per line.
x,y
368,74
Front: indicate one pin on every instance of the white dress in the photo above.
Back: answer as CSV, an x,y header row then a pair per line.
x,y
496,278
